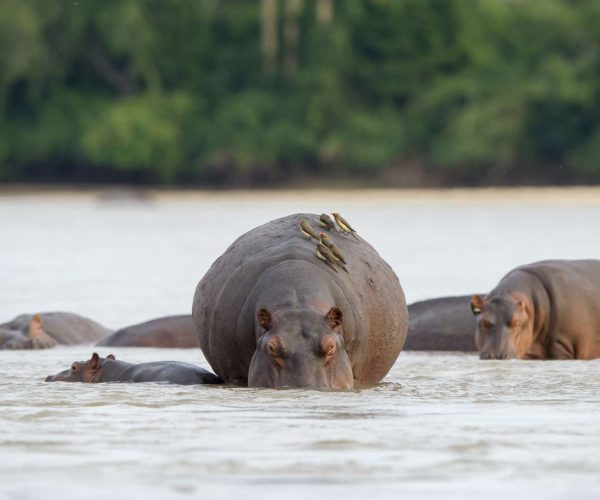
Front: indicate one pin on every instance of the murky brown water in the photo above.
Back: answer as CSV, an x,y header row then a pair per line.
x,y
440,426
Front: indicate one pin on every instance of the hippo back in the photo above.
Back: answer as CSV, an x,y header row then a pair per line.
x,y
370,296
171,331
441,324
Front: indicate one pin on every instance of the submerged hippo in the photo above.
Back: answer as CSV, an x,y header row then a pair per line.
x,y
271,313
33,336
59,327
442,324
172,331
545,310
108,369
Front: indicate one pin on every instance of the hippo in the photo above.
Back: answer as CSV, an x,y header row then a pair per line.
x,y
271,313
544,310
32,336
108,369
171,331
58,327
441,324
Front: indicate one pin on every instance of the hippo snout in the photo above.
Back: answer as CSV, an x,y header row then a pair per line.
x,y
48,378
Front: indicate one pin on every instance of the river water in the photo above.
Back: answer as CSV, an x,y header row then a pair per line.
x,y
438,426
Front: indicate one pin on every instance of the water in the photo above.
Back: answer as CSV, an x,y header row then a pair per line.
x,y
439,426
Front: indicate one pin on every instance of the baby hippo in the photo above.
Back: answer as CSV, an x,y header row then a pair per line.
x,y
108,369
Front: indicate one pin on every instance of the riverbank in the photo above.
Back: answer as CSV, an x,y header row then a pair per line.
x,y
579,195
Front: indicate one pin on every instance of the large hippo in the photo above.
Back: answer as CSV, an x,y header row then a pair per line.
x,y
58,327
171,331
97,369
545,310
271,313
441,324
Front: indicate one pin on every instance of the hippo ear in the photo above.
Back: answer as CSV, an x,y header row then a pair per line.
x,y
111,356
334,317
95,361
263,317
477,304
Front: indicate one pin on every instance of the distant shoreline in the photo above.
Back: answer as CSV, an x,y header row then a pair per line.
x,y
577,195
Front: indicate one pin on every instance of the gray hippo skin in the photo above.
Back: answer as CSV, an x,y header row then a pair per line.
x,y
545,310
31,335
269,313
441,324
108,369
62,327
171,331
14,339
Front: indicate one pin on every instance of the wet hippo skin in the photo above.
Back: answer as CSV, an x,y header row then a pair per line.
x,y
171,331
544,310
109,369
61,327
441,324
269,313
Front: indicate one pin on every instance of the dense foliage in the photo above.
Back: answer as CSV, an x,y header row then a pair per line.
x,y
195,91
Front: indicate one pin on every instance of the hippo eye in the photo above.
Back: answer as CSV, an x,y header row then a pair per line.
x,y
74,367
275,351
487,324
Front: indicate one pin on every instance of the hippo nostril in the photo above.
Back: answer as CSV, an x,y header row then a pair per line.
x,y
485,355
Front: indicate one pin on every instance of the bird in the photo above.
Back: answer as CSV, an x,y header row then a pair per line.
x,y
337,253
325,255
324,252
307,230
344,225
326,222
326,240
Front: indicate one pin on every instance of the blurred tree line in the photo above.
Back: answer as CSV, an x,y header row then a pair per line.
x,y
240,92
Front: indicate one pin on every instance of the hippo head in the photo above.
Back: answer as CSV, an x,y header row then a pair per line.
x,y
300,348
504,326
82,371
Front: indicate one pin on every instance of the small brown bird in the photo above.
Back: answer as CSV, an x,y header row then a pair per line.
x,y
307,231
326,256
326,240
325,252
326,222
337,253
344,224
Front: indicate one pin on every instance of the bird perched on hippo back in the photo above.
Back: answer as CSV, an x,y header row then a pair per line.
x,y
344,225
268,313
326,222
544,310
337,253
307,231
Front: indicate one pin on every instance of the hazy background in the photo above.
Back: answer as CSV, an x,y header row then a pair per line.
x,y
300,92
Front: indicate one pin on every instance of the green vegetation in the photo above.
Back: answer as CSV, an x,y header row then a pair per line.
x,y
242,92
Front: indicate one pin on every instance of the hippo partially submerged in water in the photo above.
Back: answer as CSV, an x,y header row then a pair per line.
x,y
270,313
171,331
97,369
31,336
441,324
545,310
39,331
